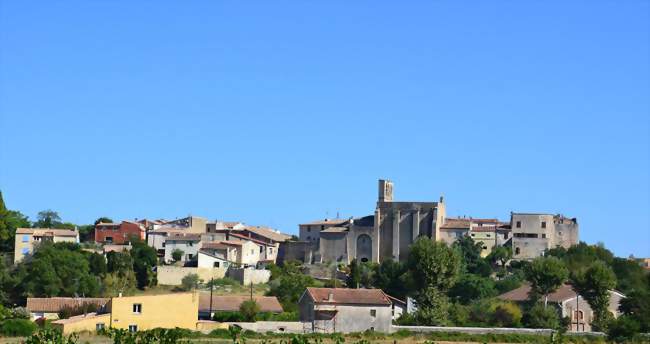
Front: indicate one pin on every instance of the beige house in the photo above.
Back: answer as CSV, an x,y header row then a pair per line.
x,y
569,304
534,233
27,238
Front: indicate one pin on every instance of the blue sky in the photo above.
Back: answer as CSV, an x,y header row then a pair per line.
x,y
278,112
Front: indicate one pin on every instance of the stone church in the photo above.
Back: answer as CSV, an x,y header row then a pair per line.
x,y
387,234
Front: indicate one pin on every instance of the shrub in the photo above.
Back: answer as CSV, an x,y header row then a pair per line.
x,y
506,314
623,329
190,282
249,309
542,317
51,336
228,317
17,327
177,254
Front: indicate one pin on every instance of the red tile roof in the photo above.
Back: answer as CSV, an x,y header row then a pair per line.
x,y
55,304
222,303
348,296
521,294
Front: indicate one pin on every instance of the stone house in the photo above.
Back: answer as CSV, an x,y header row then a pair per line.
x,y
243,253
533,234
329,310
28,238
569,304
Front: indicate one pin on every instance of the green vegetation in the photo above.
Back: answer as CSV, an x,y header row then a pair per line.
x,y
288,283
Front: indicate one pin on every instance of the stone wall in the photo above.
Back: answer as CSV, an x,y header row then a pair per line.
x,y
247,276
296,250
173,275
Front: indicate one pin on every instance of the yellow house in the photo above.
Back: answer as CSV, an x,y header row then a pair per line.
x,y
27,238
138,313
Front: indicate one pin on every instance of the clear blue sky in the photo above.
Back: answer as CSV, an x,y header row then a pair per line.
x,y
277,113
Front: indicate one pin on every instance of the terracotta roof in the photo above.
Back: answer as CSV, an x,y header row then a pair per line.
x,y
47,231
81,317
348,296
184,237
325,222
164,230
221,244
241,236
521,294
108,224
221,303
268,233
456,223
55,304
484,228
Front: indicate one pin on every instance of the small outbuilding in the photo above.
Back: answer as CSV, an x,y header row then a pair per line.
x,y
330,310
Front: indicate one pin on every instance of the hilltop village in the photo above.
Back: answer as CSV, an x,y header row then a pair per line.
x,y
408,266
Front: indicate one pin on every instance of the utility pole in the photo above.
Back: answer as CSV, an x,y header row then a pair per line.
x,y
211,286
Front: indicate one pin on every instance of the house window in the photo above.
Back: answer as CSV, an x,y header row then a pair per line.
x,y
308,229
517,250
518,224
543,224
473,234
216,264
543,235
322,227
261,249
133,328
190,256
190,244
25,238
25,250
252,252
163,244
559,233
308,238
108,239
373,313
578,315
270,249
99,326
485,247
137,308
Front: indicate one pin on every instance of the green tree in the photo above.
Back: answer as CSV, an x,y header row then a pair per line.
x,y
115,284
191,282
354,278
9,221
542,317
546,275
97,264
249,310
177,254
119,263
594,284
471,256
56,270
636,306
623,330
390,277
289,284
506,314
434,268
472,287
630,276
144,260
103,219
500,256
47,219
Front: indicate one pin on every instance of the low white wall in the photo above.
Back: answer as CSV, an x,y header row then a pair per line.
x,y
274,326
473,330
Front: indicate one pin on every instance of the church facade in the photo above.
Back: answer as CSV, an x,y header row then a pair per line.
x,y
387,234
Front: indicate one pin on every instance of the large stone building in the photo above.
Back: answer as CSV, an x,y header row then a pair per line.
x,y
387,234
533,234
